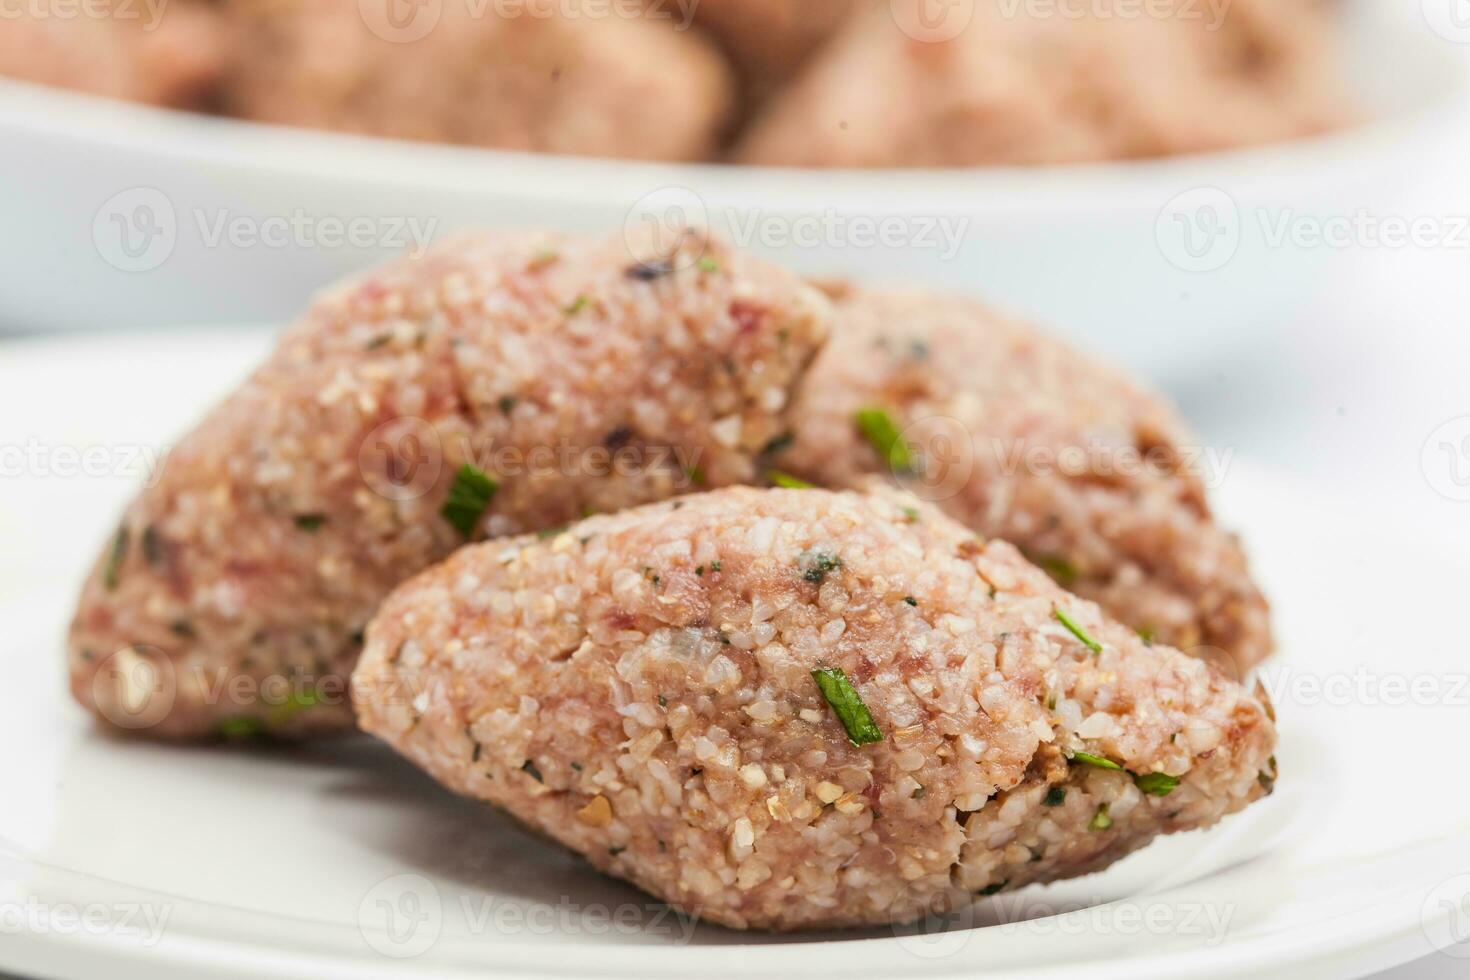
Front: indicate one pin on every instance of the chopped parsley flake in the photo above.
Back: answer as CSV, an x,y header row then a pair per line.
x,y
714,566
469,496
1058,569
310,522
911,600
1157,783
240,728
696,475
779,443
787,481
1100,819
709,264
507,402
294,705
816,564
847,705
912,513
1147,635
1087,758
551,532
878,428
529,768
992,889
649,271
918,794
1076,630
1055,796
115,558
152,546
577,305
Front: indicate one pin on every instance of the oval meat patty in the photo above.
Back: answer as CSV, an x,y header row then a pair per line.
x,y
793,708
911,83
497,384
1022,437
170,54
536,75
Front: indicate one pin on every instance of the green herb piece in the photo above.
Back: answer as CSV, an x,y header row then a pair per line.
x,y
708,264
816,564
847,705
181,627
663,702
577,306
1076,630
1267,777
787,481
779,443
918,794
992,889
1058,569
912,513
1157,783
115,558
1055,796
696,475
911,600
714,566
1100,819
240,728
547,534
468,497
506,403
1087,758
529,768
295,704
649,271
699,570
152,546
310,522
878,428
381,340
576,767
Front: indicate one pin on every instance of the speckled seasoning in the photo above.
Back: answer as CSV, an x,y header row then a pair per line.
x,y
666,724
488,388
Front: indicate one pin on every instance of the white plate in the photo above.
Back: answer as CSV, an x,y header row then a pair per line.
x,y
340,860
1096,250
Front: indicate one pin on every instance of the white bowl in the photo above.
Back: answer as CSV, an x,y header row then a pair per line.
x,y
112,210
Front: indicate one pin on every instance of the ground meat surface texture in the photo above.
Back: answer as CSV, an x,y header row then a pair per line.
x,y
1022,437
498,384
641,688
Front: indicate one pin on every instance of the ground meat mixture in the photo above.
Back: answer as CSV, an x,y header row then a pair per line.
x,y
787,709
